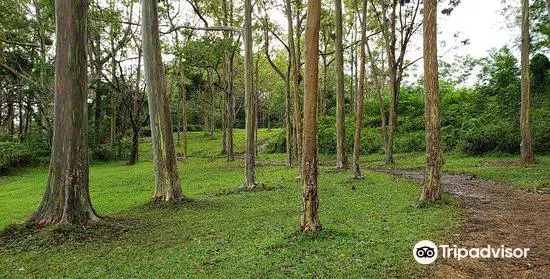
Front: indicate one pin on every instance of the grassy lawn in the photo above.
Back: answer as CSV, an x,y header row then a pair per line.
x,y
368,231
497,168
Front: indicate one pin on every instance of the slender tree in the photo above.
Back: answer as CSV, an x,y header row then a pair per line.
x,y
431,190
294,63
67,197
310,200
526,149
167,185
341,156
286,78
250,153
360,95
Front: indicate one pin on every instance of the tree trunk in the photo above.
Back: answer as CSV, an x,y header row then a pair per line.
x,y
378,87
296,82
167,185
183,113
288,115
212,120
360,96
230,114
431,189
341,156
224,123
526,149
310,202
250,153
112,137
135,113
67,197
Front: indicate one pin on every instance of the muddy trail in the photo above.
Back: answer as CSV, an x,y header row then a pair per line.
x,y
496,214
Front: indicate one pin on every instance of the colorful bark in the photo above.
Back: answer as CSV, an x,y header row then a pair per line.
x,y
67,198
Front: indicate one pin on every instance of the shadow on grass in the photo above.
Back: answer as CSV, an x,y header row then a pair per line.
x,y
28,236
171,206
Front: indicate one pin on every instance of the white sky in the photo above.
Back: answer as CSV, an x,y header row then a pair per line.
x,y
480,21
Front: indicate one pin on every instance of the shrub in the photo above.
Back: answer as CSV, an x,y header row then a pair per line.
x,y
12,155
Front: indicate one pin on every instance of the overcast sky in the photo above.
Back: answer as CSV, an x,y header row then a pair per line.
x,y
480,21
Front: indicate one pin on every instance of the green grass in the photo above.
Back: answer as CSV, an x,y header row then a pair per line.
x,y
497,168
201,145
367,232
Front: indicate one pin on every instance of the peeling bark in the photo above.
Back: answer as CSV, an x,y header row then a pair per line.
x,y
67,198
309,220
167,185
431,189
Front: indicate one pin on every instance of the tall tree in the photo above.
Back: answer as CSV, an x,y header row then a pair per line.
x,y
67,197
431,189
286,78
398,22
310,200
250,153
526,149
167,185
341,156
360,95
294,63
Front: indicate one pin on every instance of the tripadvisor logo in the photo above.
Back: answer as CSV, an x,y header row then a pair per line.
x,y
425,252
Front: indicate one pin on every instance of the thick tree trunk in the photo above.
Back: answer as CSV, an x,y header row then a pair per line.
x,y
341,156
360,96
431,189
310,201
67,197
526,148
167,185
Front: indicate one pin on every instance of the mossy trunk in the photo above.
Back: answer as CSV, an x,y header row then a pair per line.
x,y
309,220
525,147
431,189
67,197
167,185
341,156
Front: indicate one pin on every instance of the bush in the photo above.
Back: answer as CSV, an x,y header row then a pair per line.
x,y
277,144
410,142
12,155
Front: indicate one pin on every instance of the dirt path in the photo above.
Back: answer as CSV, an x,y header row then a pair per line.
x,y
496,214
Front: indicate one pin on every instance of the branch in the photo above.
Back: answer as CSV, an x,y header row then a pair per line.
x,y
206,28
18,43
195,7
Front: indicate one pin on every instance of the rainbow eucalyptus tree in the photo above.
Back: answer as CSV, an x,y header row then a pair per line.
x,y
67,197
